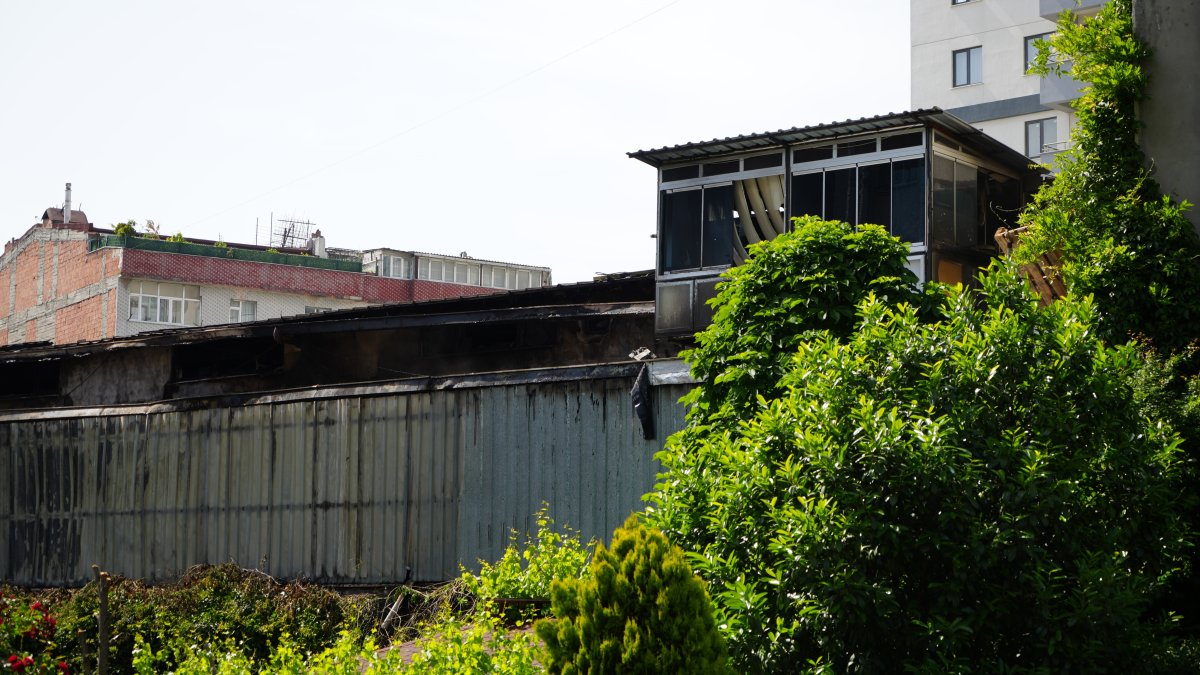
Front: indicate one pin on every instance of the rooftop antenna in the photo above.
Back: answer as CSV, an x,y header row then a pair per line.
x,y
67,207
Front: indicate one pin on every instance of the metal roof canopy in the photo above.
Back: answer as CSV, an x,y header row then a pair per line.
x,y
718,147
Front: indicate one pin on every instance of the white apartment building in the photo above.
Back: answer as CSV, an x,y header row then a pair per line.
x,y
971,57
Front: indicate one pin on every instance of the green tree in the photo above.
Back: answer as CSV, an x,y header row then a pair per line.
x,y
969,488
642,611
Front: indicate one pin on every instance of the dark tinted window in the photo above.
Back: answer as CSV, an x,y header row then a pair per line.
x,y
718,225
680,173
942,222
856,148
808,193
967,223
679,238
908,200
875,194
718,168
840,195
763,162
816,154
901,141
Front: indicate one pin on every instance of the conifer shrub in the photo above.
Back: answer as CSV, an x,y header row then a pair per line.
x,y
642,611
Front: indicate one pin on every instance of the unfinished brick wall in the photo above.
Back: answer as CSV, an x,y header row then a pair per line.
x,y
77,268
26,268
80,321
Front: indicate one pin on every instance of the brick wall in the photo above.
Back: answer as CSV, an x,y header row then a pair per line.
x,y
26,267
286,278
80,321
78,268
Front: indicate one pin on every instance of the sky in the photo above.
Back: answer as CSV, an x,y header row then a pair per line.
x,y
498,129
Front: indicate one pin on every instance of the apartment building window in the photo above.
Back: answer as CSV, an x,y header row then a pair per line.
x,y
316,310
1031,50
968,66
1039,134
448,271
395,266
242,310
887,193
496,276
155,302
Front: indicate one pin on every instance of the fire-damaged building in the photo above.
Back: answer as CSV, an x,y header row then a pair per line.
x,y
375,444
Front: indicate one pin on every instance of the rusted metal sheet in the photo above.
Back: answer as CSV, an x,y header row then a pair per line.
x,y
357,485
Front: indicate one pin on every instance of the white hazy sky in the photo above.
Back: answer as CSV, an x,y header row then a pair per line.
x,y
495,128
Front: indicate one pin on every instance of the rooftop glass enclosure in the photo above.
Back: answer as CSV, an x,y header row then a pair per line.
x,y
930,179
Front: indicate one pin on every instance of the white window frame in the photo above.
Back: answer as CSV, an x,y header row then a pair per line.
x,y
242,310
389,264
149,304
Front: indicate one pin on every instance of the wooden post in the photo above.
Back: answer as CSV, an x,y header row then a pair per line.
x,y
102,620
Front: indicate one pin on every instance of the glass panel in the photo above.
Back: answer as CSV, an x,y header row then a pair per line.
x,y
473,275
435,270
1033,139
679,239
721,168
164,311
718,226
763,162
976,60
807,194
249,310
522,280
840,195
1049,131
423,268
170,290
941,225
908,200
966,205
235,312
191,292
898,141
680,173
133,306
875,194
851,148
812,154
960,68
192,313
149,308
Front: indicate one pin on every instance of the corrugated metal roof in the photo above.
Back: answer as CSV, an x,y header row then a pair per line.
x,y
772,139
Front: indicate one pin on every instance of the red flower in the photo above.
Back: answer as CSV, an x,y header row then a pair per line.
x,y
62,665
37,606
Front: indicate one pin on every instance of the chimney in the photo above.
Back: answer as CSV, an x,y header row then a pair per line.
x,y
67,207
316,245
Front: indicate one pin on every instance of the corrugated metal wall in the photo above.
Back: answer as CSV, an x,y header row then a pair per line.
x,y
352,486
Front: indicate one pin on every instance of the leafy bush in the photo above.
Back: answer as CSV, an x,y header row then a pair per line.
x,y
642,611
808,279
126,229
527,570
207,609
934,496
177,238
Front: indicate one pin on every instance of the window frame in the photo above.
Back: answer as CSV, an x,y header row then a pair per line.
x,y
969,68
1029,40
1041,125
174,305
238,313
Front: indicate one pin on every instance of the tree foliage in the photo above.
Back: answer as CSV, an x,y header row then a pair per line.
x,y
1122,241
642,611
930,492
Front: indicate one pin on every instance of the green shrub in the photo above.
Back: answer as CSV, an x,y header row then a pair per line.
x,y
808,279
527,570
177,238
126,229
208,608
27,632
642,611
980,491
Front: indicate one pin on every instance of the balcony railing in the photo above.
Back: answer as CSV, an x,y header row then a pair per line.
x,y
209,251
